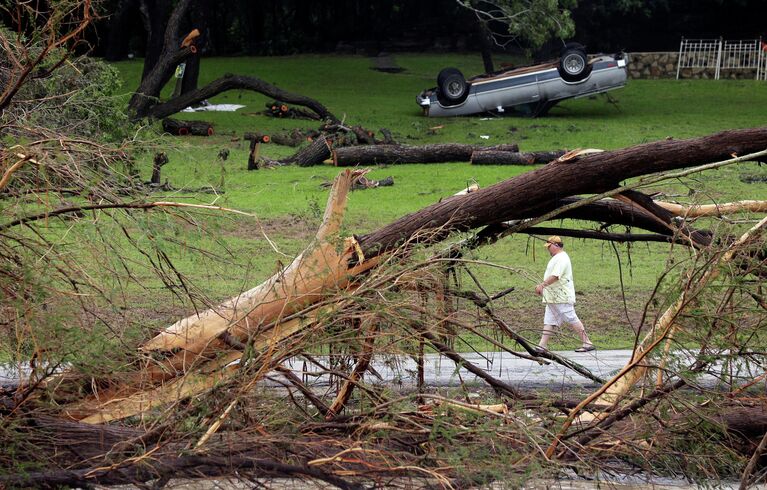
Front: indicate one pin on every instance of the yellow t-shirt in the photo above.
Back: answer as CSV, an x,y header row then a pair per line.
x,y
562,291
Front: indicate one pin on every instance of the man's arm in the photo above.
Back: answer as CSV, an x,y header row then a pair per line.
x,y
546,282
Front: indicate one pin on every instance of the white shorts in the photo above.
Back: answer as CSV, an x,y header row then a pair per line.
x,y
559,314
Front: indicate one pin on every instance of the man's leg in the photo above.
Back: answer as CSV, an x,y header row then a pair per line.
x,y
571,318
581,331
548,330
549,322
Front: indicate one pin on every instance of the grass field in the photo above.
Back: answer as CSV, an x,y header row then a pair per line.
x,y
289,201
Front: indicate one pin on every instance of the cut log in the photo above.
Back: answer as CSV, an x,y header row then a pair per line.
x,y
183,128
293,138
282,110
314,154
389,154
495,157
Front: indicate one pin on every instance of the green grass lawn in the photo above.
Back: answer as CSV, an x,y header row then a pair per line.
x,y
289,200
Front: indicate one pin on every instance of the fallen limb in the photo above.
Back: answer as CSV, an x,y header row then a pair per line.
x,y
499,386
191,466
698,210
235,82
330,264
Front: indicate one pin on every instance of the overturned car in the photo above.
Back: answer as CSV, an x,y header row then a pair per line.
x,y
530,90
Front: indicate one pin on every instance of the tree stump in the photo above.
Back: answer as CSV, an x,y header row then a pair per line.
x,y
160,159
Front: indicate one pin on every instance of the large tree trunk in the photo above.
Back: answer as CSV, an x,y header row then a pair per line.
x,y
158,72
349,156
538,189
144,101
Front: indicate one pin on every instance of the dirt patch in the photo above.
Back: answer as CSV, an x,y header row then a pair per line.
x,y
286,227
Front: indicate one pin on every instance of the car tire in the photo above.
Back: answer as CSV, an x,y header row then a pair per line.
x,y
574,63
452,85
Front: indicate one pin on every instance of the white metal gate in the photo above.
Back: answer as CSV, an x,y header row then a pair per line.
x,y
717,55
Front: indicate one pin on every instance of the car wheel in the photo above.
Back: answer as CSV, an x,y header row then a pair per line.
x,y
573,64
452,85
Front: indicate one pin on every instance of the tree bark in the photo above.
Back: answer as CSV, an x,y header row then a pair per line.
x,y
314,154
154,78
533,191
391,154
495,157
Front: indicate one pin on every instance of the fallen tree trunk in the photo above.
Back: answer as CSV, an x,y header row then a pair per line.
x,y
193,354
495,157
390,154
314,154
530,193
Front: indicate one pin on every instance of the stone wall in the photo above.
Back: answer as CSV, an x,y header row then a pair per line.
x,y
652,65
663,65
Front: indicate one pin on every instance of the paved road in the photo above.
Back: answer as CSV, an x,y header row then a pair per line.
x,y
440,371
400,371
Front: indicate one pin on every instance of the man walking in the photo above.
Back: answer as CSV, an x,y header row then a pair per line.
x,y
558,292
